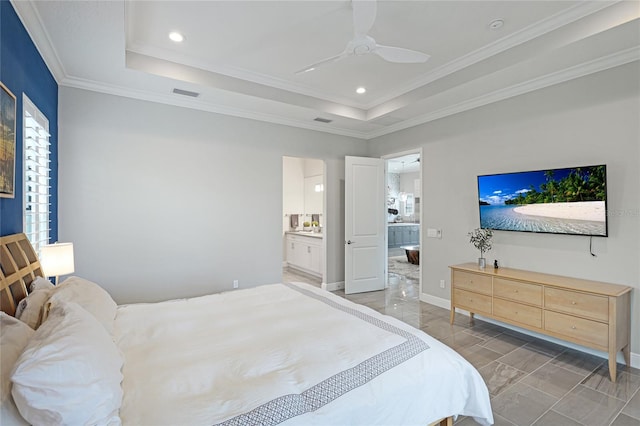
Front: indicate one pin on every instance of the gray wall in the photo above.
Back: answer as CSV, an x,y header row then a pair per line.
x,y
592,120
164,202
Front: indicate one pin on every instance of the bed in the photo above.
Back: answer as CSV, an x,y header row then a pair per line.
x,y
285,353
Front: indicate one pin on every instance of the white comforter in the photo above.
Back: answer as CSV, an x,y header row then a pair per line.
x,y
289,354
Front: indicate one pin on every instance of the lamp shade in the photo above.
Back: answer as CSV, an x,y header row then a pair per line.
x,y
57,259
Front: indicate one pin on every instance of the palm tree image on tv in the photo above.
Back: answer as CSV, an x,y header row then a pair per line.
x,y
567,201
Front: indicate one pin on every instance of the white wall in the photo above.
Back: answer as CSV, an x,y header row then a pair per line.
x,y
157,199
593,120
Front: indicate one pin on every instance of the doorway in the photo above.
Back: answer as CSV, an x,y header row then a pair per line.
x,y
404,228
303,225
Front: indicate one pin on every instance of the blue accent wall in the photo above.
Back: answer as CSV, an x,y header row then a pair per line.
x,y
23,70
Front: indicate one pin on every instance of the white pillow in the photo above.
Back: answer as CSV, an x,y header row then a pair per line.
x,y
90,296
29,310
69,373
14,335
40,284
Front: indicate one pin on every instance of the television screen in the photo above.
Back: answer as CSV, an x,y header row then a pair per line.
x,y
560,201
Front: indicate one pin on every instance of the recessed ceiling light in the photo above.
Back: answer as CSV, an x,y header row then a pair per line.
x,y
360,90
496,24
176,36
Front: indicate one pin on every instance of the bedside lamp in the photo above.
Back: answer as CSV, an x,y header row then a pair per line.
x,y
57,259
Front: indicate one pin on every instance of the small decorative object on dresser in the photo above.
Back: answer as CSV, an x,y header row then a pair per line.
x,y
481,239
590,313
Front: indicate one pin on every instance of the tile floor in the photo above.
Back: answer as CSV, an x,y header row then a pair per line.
x,y
292,275
531,381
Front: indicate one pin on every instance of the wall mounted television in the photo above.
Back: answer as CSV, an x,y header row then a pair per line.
x,y
570,201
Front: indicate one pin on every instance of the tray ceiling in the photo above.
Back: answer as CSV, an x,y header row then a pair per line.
x,y
240,57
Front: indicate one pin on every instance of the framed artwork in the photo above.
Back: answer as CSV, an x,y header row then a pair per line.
x,y
7,142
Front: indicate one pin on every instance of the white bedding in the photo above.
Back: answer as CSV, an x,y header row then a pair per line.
x,y
289,354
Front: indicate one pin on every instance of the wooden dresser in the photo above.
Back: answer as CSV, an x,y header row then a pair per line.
x,y
589,313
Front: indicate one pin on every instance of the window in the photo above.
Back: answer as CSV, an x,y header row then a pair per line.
x,y
36,174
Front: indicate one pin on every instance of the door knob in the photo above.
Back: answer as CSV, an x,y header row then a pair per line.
x,y
350,242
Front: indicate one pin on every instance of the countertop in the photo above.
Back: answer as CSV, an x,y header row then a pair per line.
x,y
306,234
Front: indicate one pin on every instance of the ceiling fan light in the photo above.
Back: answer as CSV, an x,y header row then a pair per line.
x,y
176,36
360,90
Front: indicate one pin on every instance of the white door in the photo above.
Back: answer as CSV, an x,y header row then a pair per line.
x,y
365,221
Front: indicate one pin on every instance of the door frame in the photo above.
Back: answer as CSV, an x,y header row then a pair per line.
x,y
324,214
421,239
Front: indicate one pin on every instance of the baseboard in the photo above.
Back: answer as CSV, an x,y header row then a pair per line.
x,y
434,300
333,286
635,360
446,304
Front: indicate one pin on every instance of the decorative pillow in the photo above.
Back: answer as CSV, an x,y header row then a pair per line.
x,y
14,335
41,284
69,373
90,296
29,310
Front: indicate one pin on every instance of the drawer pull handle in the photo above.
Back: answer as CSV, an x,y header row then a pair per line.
x,y
516,291
573,302
516,312
573,327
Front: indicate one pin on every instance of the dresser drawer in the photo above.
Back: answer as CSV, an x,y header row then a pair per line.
x,y
578,330
473,282
572,302
512,311
472,302
518,291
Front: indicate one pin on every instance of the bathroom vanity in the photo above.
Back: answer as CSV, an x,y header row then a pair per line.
x,y
403,234
304,252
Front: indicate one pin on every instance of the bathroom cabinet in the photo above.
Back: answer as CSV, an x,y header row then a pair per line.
x,y
403,235
304,253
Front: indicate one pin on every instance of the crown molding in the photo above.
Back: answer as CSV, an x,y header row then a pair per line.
x,y
239,73
529,33
577,71
32,22
600,64
170,99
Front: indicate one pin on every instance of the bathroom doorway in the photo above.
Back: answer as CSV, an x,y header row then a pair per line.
x,y
404,222
303,224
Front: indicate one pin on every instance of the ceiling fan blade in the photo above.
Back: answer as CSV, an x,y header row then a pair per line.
x,y
400,55
321,63
364,15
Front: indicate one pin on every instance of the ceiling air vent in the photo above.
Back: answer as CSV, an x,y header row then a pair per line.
x,y
186,93
322,120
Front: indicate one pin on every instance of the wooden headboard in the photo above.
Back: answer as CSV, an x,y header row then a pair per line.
x,y
19,266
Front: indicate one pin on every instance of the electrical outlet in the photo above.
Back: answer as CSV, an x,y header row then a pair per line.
x,y
235,284
441,283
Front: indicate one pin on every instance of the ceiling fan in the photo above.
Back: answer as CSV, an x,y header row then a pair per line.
x,y
364,15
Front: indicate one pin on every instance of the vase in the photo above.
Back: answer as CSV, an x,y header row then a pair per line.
x,y
482,262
